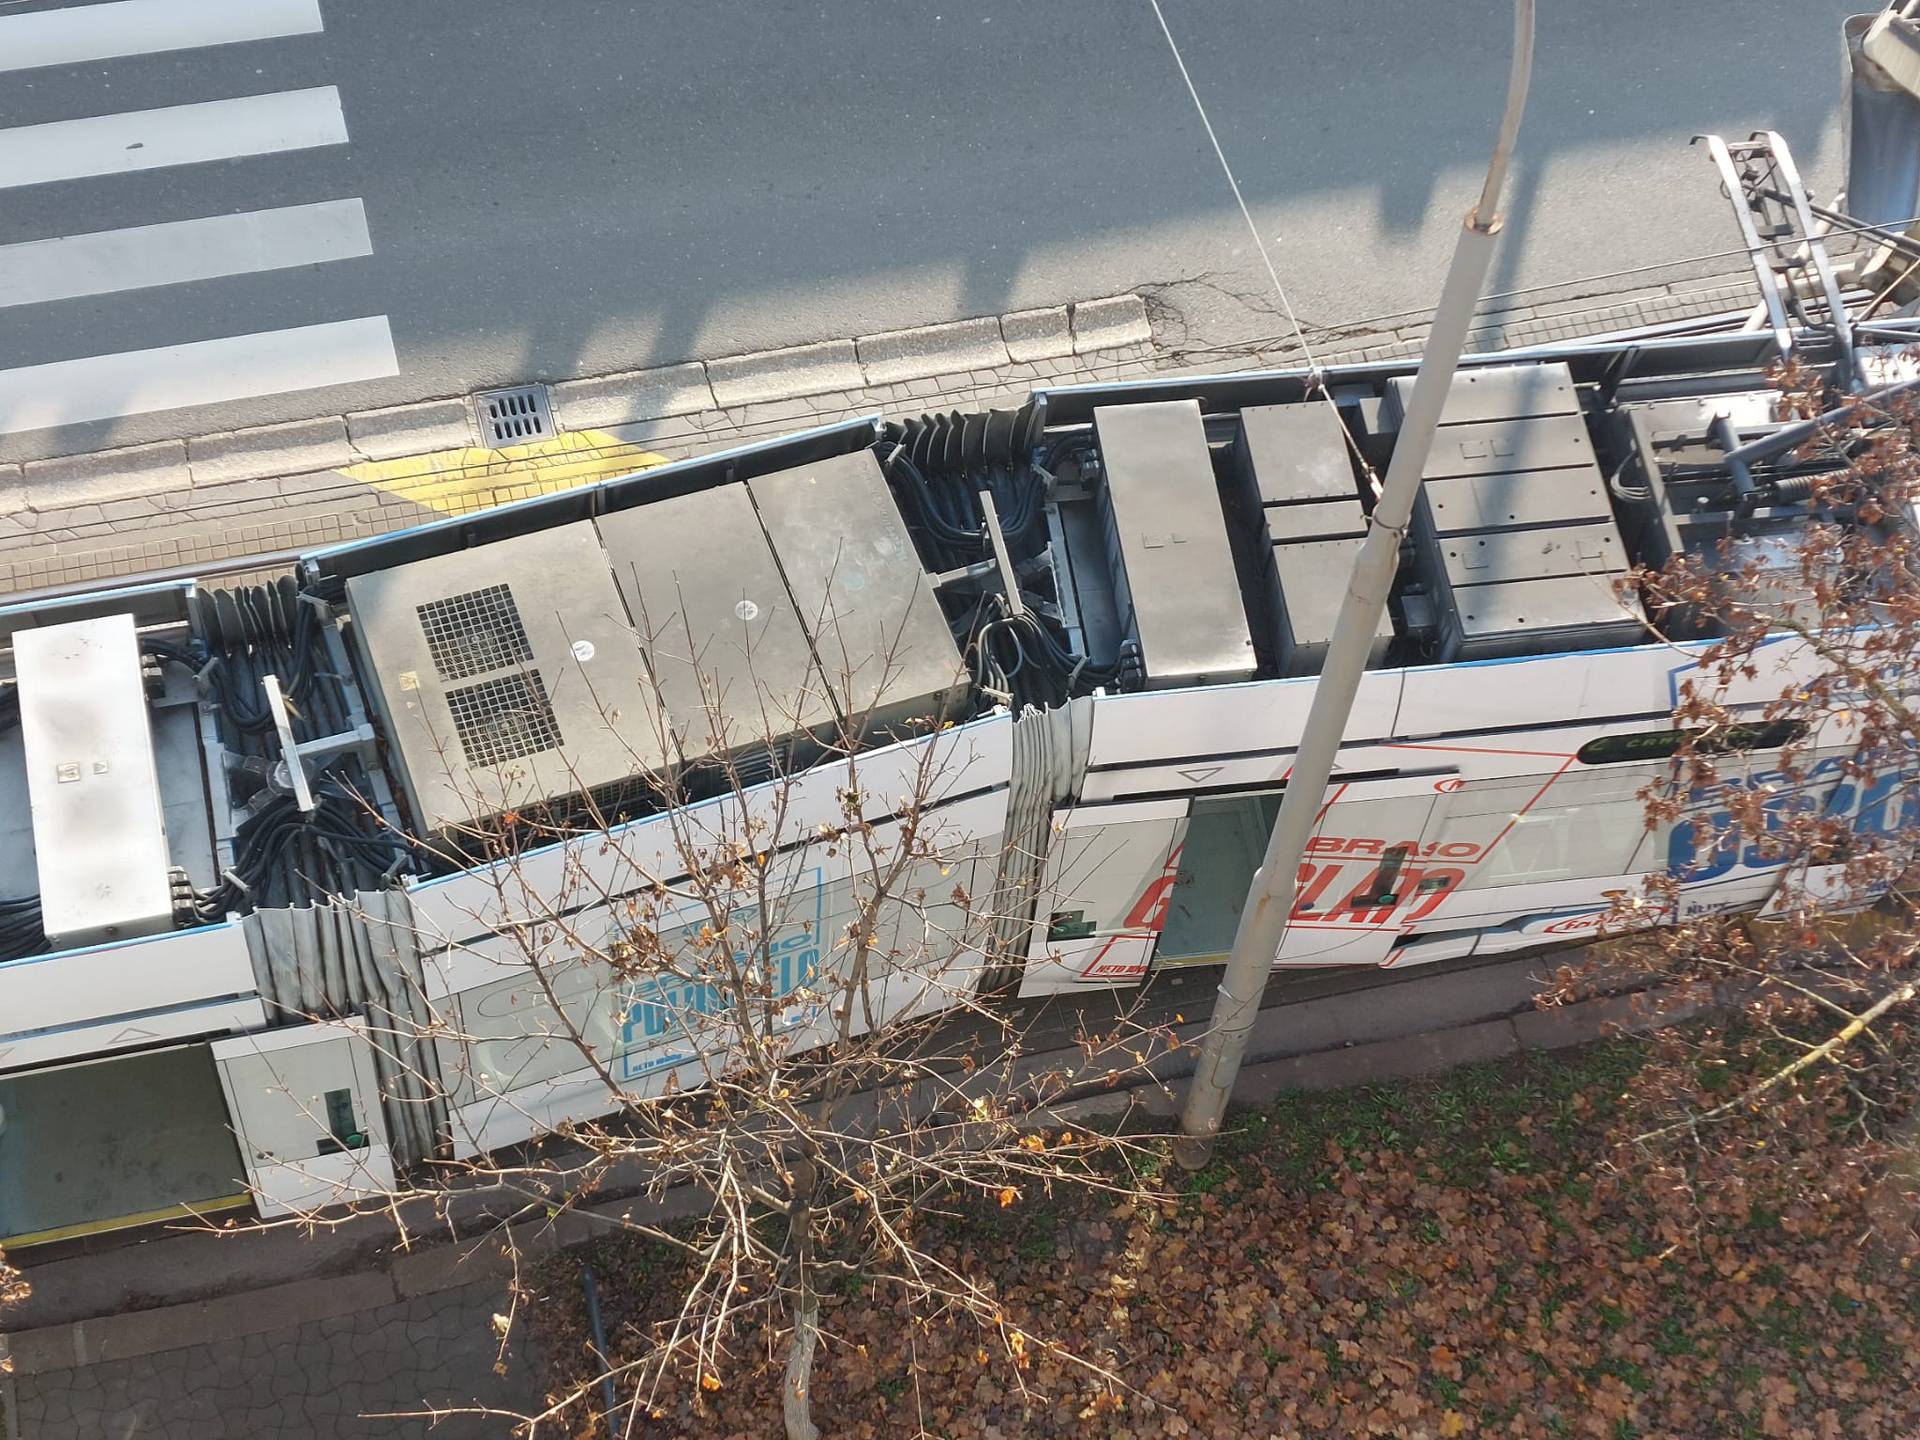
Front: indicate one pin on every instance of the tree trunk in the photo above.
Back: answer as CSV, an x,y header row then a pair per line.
x,y
796,1396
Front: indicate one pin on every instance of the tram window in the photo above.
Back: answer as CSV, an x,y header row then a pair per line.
x,y
343,1133
1225,841
1069,925
1576,843
1644,745
1536,828
513,1037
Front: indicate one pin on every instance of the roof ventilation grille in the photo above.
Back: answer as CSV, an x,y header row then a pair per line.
x,y
472,633
505,718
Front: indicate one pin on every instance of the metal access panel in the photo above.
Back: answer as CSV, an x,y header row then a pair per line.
x,y
877,629
99,831
506,675
1549,614
1502,557
1535,616
726,647
1327,520
1167,538
1494,447
1513,526
1495,392
1504,502
1313,583
1295,454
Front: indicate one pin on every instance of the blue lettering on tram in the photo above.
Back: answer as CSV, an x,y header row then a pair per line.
x,y
1879,813
655,1012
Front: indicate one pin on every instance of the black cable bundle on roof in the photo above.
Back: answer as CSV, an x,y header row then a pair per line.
x,y
938,467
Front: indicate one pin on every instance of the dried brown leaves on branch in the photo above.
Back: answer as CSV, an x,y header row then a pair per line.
x,y
14,1290
1807,639
763,1008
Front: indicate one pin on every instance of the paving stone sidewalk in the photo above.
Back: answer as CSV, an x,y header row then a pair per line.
x,y
159,511
350,1377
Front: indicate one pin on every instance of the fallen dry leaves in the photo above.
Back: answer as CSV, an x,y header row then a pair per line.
x,y
1472,1256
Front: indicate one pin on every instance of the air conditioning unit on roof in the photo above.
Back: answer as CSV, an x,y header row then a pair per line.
x,y
507,675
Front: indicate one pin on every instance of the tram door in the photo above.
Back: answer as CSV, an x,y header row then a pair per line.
x,y
1110,869
1375,863
306,1111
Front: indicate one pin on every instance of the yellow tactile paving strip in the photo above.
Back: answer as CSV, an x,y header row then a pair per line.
x,y
456,482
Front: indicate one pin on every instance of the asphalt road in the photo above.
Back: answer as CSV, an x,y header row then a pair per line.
x,y
582,186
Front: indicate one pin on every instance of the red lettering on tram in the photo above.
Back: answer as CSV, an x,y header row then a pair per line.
x,y
1366,846
1148,916
1313,883
1417,892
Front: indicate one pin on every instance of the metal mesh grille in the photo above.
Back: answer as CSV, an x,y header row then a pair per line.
x,y
476,632
504,718
511,417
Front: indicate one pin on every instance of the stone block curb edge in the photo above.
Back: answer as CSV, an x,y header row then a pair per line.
x,y
95,479
626,398
404,430
169,1327
785,374
422,1272
270,450
1109,324
631,397
929,350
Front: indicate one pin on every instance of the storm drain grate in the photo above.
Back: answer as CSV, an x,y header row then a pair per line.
x,y
512,417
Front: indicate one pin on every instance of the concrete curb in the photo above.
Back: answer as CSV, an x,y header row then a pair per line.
x,y
104,476
270,450
1110,324
931,350
439,1268
407,430
678,406
785,374
631,397
1033,335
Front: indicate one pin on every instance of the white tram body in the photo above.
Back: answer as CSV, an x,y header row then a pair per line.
x,y
1487,797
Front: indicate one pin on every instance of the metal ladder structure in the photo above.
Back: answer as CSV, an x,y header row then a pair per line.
x,y
1783,232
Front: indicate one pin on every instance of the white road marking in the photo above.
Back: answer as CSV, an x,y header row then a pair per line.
x,y
176,135
144,27
240,367
142,256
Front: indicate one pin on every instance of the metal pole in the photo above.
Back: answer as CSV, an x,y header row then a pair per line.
x,y
609,1401
1270,897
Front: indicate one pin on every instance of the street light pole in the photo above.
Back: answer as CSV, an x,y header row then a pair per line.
x,y
1271,895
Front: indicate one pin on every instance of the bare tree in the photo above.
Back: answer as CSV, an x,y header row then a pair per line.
x,y
1797,766
757,979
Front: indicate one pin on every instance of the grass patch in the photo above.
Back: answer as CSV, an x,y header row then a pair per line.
x,y
1510,1115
